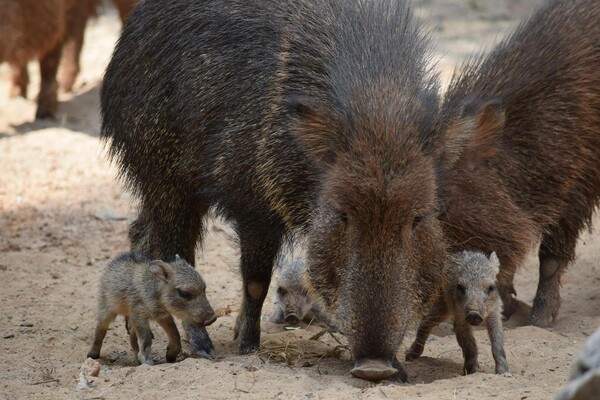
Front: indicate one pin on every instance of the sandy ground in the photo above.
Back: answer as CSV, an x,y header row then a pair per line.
x,y
63,216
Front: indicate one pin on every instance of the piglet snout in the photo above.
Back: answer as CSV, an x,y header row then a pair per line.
x,y
206,318
292,319
474,318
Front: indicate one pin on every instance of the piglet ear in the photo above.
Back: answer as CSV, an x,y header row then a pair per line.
x,y
161,270
495,262
177,258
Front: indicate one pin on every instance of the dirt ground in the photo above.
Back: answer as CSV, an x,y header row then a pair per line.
x,y
63,216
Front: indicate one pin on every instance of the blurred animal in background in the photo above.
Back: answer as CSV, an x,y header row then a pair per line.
x,y
46,31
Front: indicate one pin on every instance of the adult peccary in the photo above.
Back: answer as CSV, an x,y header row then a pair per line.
x,y
292,301
471,298
289,117
521,140
141,289
585,374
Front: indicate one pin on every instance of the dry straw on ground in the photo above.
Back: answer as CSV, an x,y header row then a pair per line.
x,y
291,348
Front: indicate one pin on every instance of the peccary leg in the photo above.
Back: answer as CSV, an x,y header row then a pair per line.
x,y
464,336
437,314
494,328
20,80
133,341
556,250
507,289
72,49
173,228
47,99
257,256
144,336
174,346
104,321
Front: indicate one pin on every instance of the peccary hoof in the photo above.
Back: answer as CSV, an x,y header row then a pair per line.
x,y
248,347
373,370
201,345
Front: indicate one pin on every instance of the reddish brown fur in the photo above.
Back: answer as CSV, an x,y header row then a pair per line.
x,y
528,119
43,30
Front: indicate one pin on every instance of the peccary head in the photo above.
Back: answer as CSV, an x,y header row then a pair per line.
x,y
473,285
182,291
375,246
292,295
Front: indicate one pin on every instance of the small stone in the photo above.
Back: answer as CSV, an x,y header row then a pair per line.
x,y
90,367
108,214
26,324
114,356
82,383
9,336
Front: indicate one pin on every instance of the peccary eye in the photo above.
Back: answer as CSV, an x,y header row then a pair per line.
x,y
184,294
344,217
418,219
491,288
461,289
281,291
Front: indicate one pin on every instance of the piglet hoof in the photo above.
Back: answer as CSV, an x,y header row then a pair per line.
x,y
401,376
93,354
506,375
373,370
172,353
200,342
413,353
502,369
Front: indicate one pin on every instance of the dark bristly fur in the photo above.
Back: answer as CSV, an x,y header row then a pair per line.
x,y
521,133
290,117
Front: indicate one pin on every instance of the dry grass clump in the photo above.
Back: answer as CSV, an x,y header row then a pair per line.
x,y
291,348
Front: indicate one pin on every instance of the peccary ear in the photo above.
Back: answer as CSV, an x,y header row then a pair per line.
x,y
161,270
495,262
475,136
317,133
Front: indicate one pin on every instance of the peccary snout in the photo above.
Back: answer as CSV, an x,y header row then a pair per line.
x,y
373,369
474,318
